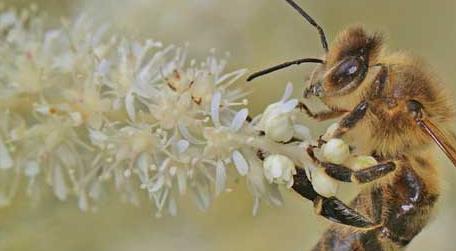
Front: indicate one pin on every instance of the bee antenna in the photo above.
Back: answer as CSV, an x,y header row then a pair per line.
x,y
309,19
284,65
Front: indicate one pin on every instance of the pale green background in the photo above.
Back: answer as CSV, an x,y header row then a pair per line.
x,y
257,33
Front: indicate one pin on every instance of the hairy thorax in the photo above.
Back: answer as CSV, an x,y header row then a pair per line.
x,y
388,129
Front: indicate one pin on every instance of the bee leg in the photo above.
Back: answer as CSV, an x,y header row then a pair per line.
x,y
346,174
365,175
330,208
351,119
336,211
320,116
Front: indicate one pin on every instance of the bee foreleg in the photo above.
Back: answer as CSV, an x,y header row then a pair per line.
x,y
320,116
350,120
331,208
365,175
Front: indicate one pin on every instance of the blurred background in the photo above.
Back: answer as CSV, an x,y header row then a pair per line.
x,y
257,33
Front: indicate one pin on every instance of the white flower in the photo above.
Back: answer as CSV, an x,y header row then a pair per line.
x,y
323,184
59,184
361,162
276,120
279,169
81,108
222,141
240,163
335,151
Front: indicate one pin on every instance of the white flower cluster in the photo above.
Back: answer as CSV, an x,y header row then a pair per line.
x,y
81,110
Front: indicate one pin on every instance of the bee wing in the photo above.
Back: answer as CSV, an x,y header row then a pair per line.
x,y
439,137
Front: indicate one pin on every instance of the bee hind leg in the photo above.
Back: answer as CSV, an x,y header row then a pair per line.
x,y
330,208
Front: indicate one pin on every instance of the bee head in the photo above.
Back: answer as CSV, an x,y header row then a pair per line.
x,y
346,64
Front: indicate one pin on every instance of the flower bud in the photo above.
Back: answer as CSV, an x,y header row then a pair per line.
x,y
276,120
323,184
361,162
335,151
279,169
279,128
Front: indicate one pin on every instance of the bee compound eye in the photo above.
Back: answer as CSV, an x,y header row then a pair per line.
x,y
347,71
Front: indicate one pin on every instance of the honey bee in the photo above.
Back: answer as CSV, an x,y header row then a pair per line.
x,y
391,107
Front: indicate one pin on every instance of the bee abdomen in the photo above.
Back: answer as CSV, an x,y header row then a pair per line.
x,y
401,207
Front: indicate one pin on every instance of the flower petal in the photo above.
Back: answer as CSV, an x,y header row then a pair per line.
x,y
240,163
83,202
103,68
129,106
215,108
256,206
202,194
288,92
188,136
157,185
289,106
220,178
274,195
181,181
59,185
239,119
172,206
